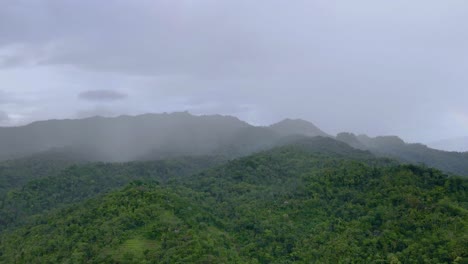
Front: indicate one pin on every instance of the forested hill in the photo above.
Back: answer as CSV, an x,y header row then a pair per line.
x,y
36,194
394,147
30,188
299,203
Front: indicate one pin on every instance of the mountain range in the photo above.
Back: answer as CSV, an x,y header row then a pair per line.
x,y
159,136
148,136
396,148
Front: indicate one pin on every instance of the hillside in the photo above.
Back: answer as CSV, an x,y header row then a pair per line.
x,y
313,202
77,183
394,147
15,173
139,224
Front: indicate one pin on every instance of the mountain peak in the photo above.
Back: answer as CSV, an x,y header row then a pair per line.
x,y
350,139
297,126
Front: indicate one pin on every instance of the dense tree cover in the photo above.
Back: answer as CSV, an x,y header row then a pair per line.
x,y
15,173
340,210
143,223
79,182
288,205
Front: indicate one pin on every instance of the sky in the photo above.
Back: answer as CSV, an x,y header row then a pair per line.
x,y
365,66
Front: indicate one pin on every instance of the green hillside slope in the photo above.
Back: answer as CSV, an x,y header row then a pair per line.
x,y
80,182
292,204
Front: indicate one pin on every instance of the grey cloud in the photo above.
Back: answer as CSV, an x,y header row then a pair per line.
x,y
102,95
11,61
22,55
216,39
366,66
5,98
4,117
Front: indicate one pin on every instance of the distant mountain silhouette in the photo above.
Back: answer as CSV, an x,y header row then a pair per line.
x,y
149,136
121,138
297,127
394,147
160,136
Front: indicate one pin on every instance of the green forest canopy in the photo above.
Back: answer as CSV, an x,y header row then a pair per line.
x,y
290,204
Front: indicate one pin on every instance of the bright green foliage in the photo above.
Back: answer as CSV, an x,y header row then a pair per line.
x,y
288,205
142,222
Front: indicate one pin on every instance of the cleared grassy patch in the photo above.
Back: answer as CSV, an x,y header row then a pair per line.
x,y
135,248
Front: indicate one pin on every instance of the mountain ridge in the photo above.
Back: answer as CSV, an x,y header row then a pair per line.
x,y
171,135
297,126
395,147
126,138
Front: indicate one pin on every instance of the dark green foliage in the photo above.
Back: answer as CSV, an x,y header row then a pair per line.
x,y
314,203
79,182
15,173
293,206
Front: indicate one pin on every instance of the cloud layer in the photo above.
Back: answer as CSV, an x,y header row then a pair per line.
x,y
392,67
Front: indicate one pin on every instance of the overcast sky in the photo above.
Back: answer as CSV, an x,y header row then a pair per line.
x,y
375,67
